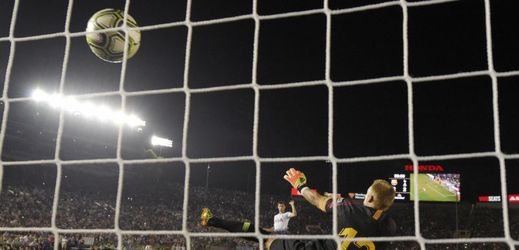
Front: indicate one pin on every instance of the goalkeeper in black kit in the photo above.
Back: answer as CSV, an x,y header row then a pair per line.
x,y
354,220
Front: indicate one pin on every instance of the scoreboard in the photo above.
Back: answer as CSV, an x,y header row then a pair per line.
x,y
434,185
402,185
400,182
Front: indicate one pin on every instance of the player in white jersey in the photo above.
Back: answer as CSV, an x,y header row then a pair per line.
x,y
282,218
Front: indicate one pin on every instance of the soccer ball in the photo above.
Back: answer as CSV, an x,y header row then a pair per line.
x,y
109,45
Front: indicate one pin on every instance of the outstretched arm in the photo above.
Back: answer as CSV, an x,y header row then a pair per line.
x,y
315,198
298,180
294,211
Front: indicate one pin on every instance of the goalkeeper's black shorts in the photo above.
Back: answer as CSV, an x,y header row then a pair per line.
x,y
289,244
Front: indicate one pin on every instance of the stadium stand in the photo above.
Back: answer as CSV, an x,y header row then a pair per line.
x,y
17,205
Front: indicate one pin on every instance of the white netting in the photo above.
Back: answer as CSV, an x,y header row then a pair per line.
x,y
507,239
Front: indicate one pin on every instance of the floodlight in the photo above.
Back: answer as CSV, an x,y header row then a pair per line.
x,y
39,95
86,109
163,142
134,121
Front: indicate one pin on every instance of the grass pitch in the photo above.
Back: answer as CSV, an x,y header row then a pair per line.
x,y
430,190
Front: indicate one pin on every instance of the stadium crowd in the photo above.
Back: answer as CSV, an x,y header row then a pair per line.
x,y
17,205
26,240
26,206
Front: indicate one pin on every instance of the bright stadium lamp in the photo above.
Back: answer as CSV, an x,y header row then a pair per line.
x,y
134,121
71,104
103,113
39,95
55,101
159,141
118,118
86,109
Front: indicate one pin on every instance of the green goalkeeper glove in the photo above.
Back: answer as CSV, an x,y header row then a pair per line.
x,y
296,178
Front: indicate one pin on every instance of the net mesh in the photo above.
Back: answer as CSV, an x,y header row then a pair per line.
x,y
409,80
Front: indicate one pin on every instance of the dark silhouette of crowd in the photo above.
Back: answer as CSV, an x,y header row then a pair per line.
x,y
166,208
17,205
31,206
26,240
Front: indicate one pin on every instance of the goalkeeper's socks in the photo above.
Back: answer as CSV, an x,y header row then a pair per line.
x,y
231,226
236,227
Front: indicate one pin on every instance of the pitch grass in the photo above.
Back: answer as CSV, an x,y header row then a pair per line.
x,y
430,190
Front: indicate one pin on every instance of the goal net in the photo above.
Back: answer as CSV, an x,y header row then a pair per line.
x,y
222,98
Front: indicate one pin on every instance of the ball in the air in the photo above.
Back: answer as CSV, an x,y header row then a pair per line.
x,y
109,45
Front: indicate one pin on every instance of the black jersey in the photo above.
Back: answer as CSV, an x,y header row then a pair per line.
x,y
357,220
353,221
303,245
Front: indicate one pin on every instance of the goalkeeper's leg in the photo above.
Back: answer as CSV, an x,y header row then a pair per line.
x,y
207,219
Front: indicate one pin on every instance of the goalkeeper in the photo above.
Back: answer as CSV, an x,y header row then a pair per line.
x,y
366,220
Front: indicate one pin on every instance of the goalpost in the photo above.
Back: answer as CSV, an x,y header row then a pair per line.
x,y
257,88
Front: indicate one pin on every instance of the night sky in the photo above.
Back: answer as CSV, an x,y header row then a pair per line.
x,y
451,116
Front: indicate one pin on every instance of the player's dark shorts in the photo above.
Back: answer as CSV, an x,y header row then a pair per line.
x,y
281,244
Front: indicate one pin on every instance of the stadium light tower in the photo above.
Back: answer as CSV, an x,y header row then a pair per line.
x,y
159,141
86,109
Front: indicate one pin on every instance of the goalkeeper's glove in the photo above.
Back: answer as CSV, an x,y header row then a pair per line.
x,y
296,178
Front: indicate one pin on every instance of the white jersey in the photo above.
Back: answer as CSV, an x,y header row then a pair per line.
x,y
281,222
